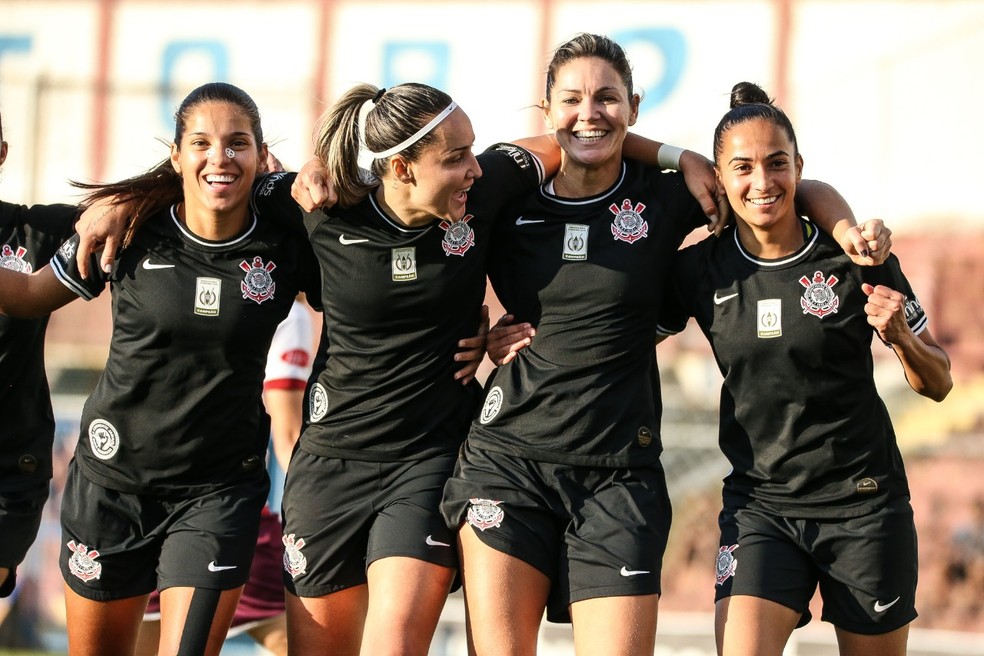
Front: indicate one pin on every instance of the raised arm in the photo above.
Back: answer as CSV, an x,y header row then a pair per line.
x,y
31,295
867,244
925,363
698,173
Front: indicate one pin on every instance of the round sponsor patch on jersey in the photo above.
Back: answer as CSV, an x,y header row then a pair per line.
x,y
104,439
867,486
317,402
645,436
492,404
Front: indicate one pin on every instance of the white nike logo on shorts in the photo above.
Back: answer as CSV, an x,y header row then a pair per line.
x,y
212,567
149,266
881,608
345,241
625,571
522,221
431,542
718,300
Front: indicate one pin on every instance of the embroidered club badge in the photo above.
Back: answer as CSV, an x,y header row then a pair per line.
x,y
628,225
819,298
14,260
294,561
726,564
258,284
83,563
458,236
485,513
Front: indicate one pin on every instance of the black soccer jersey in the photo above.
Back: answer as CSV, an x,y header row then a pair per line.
x,y
396,300
801,421
177,410
589,273
29,236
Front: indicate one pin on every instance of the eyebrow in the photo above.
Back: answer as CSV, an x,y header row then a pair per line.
x,y
748,159
207,134
608,89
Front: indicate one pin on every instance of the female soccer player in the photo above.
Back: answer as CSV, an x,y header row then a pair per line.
x,y
168,478
817,495
559,492
29,237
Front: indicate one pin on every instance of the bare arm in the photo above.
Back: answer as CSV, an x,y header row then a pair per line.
x,y
867,244
472,350
925,363
285,407
32,295
698,173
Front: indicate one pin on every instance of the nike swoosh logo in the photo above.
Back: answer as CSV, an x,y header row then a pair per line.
x,y
212,567
625,571
718,300
881,608
522,221
434,543
149,266
345,241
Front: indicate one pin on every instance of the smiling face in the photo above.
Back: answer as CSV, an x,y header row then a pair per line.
x,y
758,167
436,184
218,158
590,110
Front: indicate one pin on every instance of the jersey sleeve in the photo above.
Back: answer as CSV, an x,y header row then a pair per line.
x,y
66,269
508,172
291,354
677,307
890,275
271,201
57,221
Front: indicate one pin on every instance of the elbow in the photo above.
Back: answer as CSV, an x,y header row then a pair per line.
x,y
937,391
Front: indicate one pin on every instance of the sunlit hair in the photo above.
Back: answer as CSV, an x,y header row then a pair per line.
x,y
749,101
397,113
590,45
161,186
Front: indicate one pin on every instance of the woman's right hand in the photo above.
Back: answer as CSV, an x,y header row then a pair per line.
x,y
311,188
101,225
506,339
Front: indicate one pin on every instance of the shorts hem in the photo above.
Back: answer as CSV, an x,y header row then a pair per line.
x,y
308,591
872,629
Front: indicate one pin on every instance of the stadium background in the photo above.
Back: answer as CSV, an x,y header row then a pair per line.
x,y
885,97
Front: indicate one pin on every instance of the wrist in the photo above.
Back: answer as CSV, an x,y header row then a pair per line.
x,y
668,157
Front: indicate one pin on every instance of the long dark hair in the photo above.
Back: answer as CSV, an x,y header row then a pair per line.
x,y
160,186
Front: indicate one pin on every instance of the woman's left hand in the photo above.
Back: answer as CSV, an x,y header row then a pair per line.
x,y
886,312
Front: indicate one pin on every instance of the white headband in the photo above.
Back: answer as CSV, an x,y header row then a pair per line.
x,y
366,156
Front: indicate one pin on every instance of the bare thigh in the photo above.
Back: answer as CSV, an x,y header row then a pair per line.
x,y
504,599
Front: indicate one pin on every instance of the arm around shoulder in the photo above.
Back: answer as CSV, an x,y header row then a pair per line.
x,y
32,295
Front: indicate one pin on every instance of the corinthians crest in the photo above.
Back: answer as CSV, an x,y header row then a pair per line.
x,y
458,236
258,283
14,260
83,562
819,298
294,561
628,225
485,513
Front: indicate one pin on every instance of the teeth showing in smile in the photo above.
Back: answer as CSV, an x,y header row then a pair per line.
x,y
219,178
763,201
590,135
